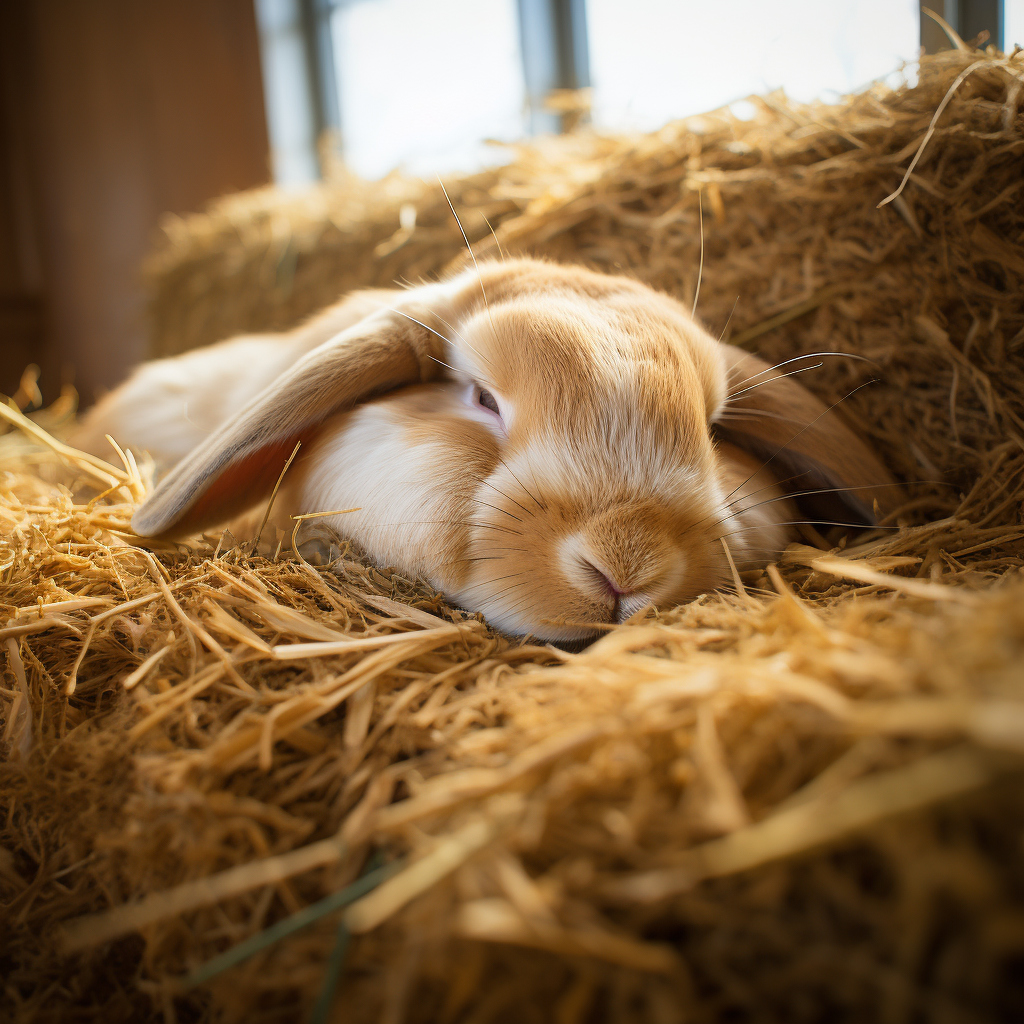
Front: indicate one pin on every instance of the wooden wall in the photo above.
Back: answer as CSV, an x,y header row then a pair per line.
x,y
113,112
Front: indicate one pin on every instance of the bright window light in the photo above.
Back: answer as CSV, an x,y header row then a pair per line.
x,y
421,84
1013,24
655,60
285,84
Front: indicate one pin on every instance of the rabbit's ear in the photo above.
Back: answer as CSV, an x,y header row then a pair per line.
x,y
797,435
239,463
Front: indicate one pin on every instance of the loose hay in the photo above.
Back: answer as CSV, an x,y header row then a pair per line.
x,y
797,802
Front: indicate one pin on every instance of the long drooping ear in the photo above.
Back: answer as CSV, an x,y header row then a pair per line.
x,y
239,463
773,417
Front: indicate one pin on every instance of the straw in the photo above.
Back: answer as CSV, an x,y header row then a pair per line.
x,y
797,801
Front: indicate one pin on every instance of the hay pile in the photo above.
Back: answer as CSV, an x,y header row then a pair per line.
x,y
800,802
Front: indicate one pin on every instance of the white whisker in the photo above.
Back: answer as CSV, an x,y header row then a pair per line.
x,y
700,269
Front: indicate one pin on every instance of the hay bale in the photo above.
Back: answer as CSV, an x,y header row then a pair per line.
x,y
798,802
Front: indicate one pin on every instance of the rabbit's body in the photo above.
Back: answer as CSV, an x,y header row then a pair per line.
x,y
541,446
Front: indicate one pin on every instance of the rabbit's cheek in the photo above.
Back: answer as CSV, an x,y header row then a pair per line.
x,y
757,516
408,489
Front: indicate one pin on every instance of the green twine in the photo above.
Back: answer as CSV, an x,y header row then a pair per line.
x,y
251,946
334,965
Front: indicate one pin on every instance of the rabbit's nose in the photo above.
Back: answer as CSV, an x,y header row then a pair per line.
x,y
619,562
624,581
609,581
624,600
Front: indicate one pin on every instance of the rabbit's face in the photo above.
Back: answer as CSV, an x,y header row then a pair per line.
x,y
561,476
603,488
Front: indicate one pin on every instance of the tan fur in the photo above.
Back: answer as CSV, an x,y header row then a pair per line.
x,y
600,489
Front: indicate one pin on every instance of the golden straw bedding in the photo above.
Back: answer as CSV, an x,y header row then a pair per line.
x,y
798,801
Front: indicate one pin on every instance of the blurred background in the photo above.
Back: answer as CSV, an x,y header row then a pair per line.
x,y
117,113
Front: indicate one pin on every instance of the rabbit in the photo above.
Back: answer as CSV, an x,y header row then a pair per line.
x,y
553,447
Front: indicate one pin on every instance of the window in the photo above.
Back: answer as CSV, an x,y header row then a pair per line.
x,y
421,84
1013,23
655,60
291,120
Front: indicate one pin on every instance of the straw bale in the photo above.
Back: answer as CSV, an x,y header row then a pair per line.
x,y
799,801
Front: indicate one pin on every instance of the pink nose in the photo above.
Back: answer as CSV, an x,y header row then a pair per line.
x,y
613,588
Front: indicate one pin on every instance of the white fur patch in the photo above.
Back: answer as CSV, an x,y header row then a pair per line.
x,y
402,492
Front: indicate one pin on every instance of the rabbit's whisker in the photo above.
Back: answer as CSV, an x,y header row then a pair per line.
x,y
764,414
771,380
728,319
443,363
533,476
700,268
807,522
799,494
736,511
726,503
493,235
533,496
518,606
779,451
487,583
497,509
508,496
472,254
510,589
805,355
462,338
462,561
491,526
188,419
438,334
521,581
450,522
